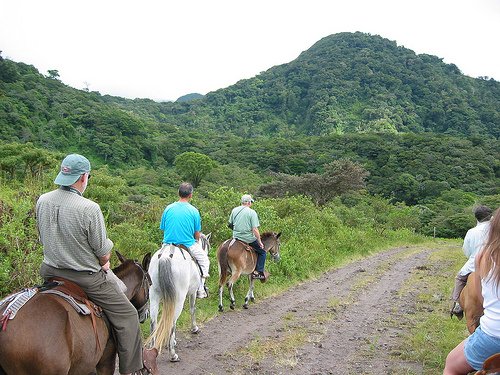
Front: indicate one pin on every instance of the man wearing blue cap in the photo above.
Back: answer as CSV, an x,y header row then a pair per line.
x,y
76,247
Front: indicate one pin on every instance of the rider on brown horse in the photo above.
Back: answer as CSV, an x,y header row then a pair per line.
x,y
473,242
76,247
245,225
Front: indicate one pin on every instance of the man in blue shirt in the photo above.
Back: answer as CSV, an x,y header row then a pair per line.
x,y
181,223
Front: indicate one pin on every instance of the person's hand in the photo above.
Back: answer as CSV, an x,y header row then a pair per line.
x,y
261,244
106,266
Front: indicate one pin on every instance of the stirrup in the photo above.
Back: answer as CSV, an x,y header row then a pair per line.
x,y
258,275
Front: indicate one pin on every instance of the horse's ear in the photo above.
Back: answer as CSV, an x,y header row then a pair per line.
x,y
145,261
278,235
208,236
120,257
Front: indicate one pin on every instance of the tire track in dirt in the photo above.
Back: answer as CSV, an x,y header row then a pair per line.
x,y
340,323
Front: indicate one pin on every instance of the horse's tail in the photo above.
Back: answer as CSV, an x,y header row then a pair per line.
x,y
163,330
222,262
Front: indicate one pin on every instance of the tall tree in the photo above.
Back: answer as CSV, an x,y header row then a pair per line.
x,y
193,166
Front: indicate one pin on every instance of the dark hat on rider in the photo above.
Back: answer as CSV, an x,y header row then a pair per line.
x,y
72,167
247,198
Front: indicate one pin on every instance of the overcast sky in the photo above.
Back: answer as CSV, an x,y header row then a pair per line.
x,y
163,49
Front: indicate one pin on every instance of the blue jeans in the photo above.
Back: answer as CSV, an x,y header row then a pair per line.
x,y
261,255
479,346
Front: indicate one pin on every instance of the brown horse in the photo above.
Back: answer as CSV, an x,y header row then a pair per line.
x,y
49,337
236,258
491,365
471,301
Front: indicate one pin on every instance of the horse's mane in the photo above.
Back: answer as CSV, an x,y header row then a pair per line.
x,y
266,235
123,266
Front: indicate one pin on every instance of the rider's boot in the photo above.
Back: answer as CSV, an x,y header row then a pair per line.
x,y
457,310
258,275
202,290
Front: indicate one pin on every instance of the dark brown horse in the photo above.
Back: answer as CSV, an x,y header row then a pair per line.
x,y
49,337
471,301
237,258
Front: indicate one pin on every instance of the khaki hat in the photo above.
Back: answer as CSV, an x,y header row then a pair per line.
x,y
247,198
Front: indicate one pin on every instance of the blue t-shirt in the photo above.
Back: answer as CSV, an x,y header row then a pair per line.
x,y
179,222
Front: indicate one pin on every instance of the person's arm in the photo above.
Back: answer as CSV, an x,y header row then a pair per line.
x,y
104,261
98,239
197,235
256,233
467,248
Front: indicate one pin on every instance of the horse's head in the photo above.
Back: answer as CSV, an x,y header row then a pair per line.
x,y
136,278
271,241
205,242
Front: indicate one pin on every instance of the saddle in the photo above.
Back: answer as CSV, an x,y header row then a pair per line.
x,y
68,290
181,247
74,295
246,246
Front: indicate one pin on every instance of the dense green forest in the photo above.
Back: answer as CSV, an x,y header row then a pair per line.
x,y
360,131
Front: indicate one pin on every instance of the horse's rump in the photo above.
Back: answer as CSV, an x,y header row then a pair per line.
x,y
48,336
235,255
472,303
58,339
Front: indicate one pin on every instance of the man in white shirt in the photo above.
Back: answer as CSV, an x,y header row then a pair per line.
x,y
473,243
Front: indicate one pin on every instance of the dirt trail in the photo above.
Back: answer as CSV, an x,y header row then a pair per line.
x,y
349,321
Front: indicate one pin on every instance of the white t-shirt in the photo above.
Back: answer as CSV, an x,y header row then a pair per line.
x,y
490,321
473,242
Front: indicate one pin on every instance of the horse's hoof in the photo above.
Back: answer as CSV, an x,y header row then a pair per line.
x,y
195,330
252,299
231,307
245,306
221,309
175,358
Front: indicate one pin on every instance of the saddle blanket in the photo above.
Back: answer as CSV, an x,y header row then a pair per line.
x,y
15,302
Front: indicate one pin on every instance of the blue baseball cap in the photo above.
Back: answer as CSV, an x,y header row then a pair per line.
x,y
72,167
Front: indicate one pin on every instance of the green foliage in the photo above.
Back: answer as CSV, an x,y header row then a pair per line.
x,y
451,214
133,226
18,161
20,253
411,114
193,166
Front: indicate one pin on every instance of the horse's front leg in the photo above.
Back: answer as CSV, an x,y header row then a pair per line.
x,y
192,310
249,296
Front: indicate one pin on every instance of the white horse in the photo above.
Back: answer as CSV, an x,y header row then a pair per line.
x,y
174,276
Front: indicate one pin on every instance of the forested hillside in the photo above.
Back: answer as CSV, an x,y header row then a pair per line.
x,y
348,82
408,128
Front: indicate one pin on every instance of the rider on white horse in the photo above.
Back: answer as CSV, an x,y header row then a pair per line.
x,y
181,223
